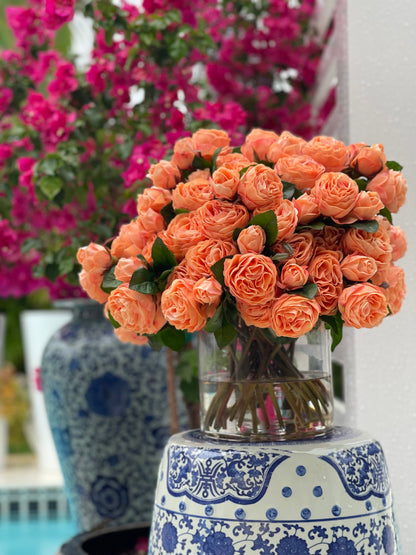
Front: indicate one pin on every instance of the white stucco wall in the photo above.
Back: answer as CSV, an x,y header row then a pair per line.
x,y
381,377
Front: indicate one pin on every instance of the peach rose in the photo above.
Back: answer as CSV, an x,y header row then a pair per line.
x,y
307,208
356,267
367,206
131,240
192,194
329,238
353,150
362,305
393,286
200,174
369,160
336,194
94,258
183,153
260,188
153,197
182,233
91,284
207,292
256,315
205,254
377,245
293,276
180,271
392,188
180,307
300,170
126,336
325,271
232,161
252,239
293,315
135,312
150,221
164,174
398,242
327,151
219,218
251,278
286,145
287,219
126,267
206,141
224,183
257,144
302,247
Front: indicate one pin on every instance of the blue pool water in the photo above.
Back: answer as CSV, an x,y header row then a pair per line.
x,y
34,537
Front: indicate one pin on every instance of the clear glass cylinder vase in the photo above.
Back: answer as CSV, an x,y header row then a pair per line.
x,y
266,388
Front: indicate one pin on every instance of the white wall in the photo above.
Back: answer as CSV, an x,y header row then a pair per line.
x,y
380,96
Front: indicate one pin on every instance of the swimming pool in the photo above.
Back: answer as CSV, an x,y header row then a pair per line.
x,y
34,537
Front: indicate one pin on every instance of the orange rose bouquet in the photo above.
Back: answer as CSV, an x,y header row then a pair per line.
x,y
257,245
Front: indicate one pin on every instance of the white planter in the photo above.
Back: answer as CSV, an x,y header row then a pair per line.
x,y
4,441
37,328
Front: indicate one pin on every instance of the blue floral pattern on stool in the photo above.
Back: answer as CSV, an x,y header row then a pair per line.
x,y
177,534
362,469
223,475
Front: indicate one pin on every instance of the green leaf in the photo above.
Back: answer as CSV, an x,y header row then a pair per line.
x,y
268,221
187,366
168,213
288,248
309,291
142,275
147,288
288,190
387,214
216,322
280,256
271,336
316,224
154,342
200,163
110,282
48,165
371,226
362,184
190,390
334,324
214,159
225,335
89,10
113,321
52,271
50,186
218,270
236,233
163,258
392,165
243,170
172,338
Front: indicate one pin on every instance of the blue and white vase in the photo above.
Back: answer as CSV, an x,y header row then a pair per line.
x,y
322,496
107,407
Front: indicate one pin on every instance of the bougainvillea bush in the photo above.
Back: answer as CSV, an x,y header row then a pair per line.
x,y
76,144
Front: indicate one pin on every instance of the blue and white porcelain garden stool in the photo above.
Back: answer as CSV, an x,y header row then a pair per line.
x,y
325,496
